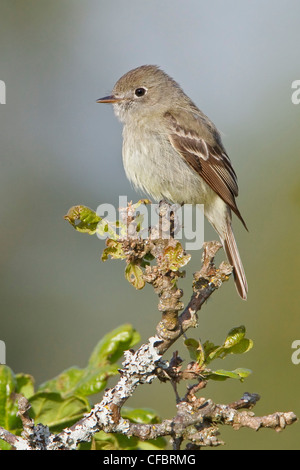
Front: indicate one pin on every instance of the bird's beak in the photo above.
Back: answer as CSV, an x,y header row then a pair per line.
x,y
108,99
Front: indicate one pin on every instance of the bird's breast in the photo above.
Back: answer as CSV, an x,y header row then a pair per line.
x,y
156,168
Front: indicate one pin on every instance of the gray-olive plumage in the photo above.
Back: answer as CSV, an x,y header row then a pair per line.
x,y
171,150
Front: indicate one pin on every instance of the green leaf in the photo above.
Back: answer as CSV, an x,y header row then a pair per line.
x,y
101,365
65,383
140,415
196,350
192,346
8,400
25,384
52,410
235,343
211,351
243,373
105,228
83,219
107,441
114,250
152,444
112,346
234,337
134,275
244,346
94,380
176,257
222,374
83,382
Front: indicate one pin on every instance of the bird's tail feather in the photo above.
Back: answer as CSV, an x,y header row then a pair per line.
x,y
234,259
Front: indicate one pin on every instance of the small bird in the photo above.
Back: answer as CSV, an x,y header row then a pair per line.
x,y
172,151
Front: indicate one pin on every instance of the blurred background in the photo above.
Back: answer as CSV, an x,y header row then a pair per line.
x,y
237,61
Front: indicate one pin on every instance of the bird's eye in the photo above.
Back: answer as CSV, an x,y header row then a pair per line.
x,y
140,92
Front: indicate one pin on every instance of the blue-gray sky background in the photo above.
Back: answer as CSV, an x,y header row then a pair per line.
x,y
237,61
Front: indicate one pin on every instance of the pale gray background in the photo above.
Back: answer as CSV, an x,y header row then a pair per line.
x,y
237,61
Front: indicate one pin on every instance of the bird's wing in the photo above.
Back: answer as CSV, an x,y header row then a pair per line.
x,y
207,157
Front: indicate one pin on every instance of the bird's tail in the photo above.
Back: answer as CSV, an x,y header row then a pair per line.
x,y
234,259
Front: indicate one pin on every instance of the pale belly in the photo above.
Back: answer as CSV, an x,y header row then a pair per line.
x,y
154,167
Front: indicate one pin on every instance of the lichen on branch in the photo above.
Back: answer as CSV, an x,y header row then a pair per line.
x,y
157,260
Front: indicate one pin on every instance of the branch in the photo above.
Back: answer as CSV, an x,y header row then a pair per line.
x,y
206,281
33,437
139,367
17,442
199,425
196,418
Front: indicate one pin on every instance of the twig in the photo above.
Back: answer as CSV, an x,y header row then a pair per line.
x,y
196,419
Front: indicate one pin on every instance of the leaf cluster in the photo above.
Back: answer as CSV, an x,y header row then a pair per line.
x,y
203,354
63,400
124,240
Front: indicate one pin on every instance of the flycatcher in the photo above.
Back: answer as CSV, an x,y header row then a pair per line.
x,y
172,151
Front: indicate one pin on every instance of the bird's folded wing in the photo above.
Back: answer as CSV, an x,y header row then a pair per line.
x,y
209,160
